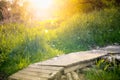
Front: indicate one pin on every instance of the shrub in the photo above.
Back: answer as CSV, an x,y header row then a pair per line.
x,y
85,31
104,70
22,45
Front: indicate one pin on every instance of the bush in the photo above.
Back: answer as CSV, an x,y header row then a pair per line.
x,y
86,31
22,45
104,70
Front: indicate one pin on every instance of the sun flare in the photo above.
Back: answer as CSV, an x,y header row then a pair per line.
x,y
42,4
42,9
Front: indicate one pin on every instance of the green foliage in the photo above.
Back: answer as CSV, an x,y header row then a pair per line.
x,y
86,31
21,45
104,70
96,74
9,35
91,5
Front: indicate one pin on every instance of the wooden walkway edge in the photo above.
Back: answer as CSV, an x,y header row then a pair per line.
x,y
52,69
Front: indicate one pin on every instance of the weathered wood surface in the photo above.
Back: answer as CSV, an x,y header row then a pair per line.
x,y
71,59
53,68
37,72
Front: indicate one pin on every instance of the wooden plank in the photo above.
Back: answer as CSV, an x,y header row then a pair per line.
x,y
111,49
53,67
39,70
39,66
18,76
24,75
39,74
72,58
78,66
36,72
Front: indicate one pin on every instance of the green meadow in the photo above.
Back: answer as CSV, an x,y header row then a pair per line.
x,y
22,44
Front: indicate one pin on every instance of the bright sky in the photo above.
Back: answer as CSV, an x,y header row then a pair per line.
x,y
42,4
43,8
38,3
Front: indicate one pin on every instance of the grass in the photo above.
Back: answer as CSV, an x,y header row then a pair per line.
x,y
86,31
22,45
112,72
96,74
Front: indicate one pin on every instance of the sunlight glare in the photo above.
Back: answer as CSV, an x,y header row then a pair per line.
x,y
42,4
46,31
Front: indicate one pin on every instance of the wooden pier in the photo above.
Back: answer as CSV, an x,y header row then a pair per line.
x,y
54,68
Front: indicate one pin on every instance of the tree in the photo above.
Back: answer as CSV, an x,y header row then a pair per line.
x,y
4,13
